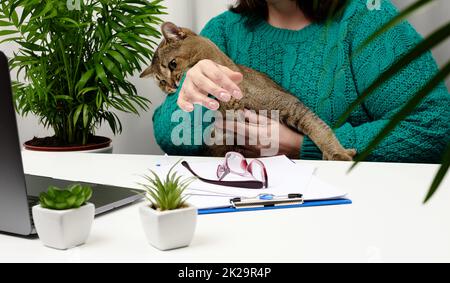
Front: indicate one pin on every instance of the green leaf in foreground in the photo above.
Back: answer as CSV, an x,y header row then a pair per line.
x,y
424,46
443,170
403,113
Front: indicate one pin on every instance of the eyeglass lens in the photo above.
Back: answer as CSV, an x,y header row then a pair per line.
x,y
257,170
236,163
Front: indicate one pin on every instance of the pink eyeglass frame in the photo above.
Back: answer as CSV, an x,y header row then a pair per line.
x,y
224,169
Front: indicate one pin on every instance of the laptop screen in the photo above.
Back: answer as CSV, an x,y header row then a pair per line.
x,y
14,213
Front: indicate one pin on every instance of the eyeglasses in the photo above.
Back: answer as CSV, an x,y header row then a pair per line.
x,y
235,163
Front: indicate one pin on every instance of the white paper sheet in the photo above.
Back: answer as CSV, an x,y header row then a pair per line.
x,y
285,177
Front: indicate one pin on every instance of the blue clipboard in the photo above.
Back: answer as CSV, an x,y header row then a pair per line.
x,y
305,204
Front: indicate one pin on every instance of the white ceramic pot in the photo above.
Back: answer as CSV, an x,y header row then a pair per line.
x,y
108,149
64,229
166,230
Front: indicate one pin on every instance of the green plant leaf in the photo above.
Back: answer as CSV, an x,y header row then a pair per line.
x,y
111,67
393,22
84,79
101,74
61,56
47,8
7,32
5,23
87,90
60,199
166,194
403,113
76,114
85,115
443,170
118,57
434,39
63,97
70,201
51,192
10,39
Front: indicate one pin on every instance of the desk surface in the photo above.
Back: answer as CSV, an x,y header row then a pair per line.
x,y
386,222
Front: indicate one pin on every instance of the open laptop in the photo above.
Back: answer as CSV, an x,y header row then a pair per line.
x,y
19,192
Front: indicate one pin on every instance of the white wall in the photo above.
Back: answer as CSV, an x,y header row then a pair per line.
x,y
137,136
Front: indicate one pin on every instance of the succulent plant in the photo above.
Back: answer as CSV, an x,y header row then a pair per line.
x,y
167,194
73,196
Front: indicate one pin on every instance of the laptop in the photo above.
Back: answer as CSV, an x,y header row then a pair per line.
x,y
19,192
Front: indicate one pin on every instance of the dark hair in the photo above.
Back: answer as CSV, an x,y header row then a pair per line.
x,y
315,10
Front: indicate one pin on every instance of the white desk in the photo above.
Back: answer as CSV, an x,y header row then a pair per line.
x,y
387,221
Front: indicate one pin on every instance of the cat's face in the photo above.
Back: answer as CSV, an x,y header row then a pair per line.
x,y
171,59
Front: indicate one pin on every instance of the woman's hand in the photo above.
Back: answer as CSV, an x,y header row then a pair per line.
x,y
263,136
207,77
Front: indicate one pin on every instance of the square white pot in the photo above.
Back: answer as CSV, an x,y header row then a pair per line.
x,y
166,230
64,229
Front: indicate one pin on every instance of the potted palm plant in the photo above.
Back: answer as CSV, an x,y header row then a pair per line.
x,y
168,221
75,57
63,219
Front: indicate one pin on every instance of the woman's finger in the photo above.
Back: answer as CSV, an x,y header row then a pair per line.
x,y
220,78
184,104
236,77
242,129
208,86
197,96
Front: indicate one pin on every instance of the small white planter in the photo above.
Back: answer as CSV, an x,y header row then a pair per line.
x,y
64,229
171,229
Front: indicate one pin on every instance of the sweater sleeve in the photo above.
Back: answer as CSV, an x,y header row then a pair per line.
x,y
424,134
178,132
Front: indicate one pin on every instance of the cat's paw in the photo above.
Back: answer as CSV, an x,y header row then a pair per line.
x,y
344,155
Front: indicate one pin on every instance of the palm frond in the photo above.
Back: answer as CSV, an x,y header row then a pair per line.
x,y
73,76
443,170
427,44
424,46
403,113
392,23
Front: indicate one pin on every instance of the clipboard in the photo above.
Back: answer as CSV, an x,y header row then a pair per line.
x,y
260,206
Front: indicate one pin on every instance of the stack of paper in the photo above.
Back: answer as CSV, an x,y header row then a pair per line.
x,y
285,177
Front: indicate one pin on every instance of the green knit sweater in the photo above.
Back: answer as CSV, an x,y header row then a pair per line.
x,y
314,64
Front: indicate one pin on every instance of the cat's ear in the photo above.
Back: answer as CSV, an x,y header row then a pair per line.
x,y
147,73
171,32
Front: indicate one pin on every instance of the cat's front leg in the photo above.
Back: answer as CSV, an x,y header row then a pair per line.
x,y
339,154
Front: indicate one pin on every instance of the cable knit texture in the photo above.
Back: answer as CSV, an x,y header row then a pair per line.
x,y
315,65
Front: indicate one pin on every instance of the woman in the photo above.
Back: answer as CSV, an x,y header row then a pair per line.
x,y
289,41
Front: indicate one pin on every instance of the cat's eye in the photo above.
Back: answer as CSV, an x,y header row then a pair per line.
x,y
172,65
163,82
